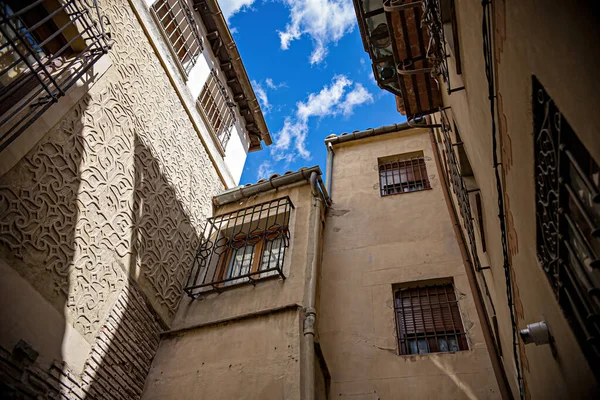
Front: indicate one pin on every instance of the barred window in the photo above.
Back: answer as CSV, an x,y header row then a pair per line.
x,y
180,30
45,47
568,220
428,320
248,254
403,174
217,107
242,246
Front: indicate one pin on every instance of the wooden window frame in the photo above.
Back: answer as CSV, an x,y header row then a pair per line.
x,y
239,241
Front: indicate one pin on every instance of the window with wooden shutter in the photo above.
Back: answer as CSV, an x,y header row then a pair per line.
x,y
403,174
428,320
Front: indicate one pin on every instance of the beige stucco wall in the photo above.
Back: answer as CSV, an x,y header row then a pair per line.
x,y
371,243
242,343
255,358
553,41
272,292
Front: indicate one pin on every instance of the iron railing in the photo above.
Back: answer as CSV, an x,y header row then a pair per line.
x,y
428,320
179,28
403,176
217,107
568,220
459,187
45,47
241,247
432,18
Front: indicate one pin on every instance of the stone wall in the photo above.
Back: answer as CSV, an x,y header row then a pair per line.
x,y
116,368
111,199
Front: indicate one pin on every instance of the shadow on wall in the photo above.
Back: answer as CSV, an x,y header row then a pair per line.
x,y
38,219
83,216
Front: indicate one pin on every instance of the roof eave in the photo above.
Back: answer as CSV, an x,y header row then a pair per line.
x,y
226,51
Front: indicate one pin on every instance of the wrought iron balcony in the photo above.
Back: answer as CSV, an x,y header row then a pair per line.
x,y
406,42
45,47
241,247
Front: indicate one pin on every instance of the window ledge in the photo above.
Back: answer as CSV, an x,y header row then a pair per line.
x,y
15,151
429,355
396,194
274,275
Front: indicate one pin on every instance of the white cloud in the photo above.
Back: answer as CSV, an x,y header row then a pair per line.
x,y
230,7
325,21
359,95
324,102
265,170
274,86
331,100
261,94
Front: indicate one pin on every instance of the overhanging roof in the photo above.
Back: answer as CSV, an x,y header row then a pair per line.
x,y
225,49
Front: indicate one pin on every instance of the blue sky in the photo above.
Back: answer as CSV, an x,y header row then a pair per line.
x,y
309,70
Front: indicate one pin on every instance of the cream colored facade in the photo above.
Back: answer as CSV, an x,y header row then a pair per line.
x,y
264,341
527,43
373,243
541,69
245,342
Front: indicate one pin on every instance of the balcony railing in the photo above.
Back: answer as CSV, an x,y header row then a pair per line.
x,y
241,247
218,109
180,30
45,47
459,188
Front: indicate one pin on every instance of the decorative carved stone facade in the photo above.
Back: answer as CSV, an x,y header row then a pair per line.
x,y
118,189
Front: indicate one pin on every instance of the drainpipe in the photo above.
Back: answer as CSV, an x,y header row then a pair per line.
x,y
495,359
310,298
330,154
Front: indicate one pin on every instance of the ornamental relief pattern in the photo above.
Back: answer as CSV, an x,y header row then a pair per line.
x,y
121,186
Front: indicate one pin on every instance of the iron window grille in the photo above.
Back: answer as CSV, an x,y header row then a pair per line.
x,y
428,320
439,16
479,211
568,220
403,176
45,47
217,107
241,247
180,30
455,176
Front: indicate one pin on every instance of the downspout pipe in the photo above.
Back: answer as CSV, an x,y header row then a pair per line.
x,y
310,295
329,172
